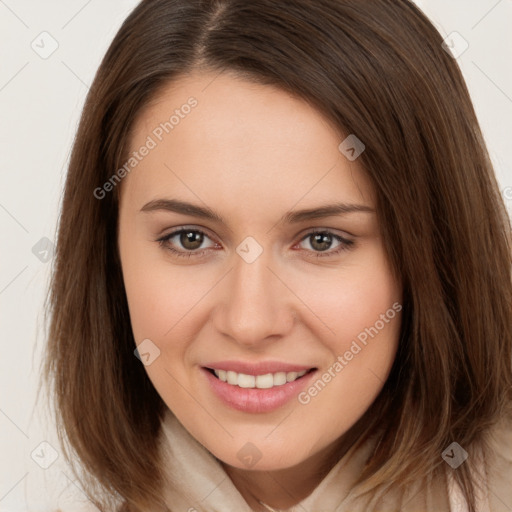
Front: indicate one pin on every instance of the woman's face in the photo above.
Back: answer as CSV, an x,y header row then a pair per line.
x,y
224,272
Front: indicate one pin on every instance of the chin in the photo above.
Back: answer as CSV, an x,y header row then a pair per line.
x,y
251,456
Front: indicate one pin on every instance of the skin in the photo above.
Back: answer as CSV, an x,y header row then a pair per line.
x,y
253,153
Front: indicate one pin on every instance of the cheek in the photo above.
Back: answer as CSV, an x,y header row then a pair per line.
x,y
160,294
164,296
352,300
164,303
363,309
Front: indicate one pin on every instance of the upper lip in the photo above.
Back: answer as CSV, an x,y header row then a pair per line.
x,y
260,368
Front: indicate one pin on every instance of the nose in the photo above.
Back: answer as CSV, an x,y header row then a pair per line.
x,y
257,308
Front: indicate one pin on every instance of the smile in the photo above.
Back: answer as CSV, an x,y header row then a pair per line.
x,y
256,388
266,381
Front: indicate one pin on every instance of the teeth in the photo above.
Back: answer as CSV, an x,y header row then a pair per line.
x,y
231,378
291,376
269,380
264,381
279,379
246,381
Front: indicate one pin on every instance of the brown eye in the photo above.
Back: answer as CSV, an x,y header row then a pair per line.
x,y
325,243
191,240
321,241
187,242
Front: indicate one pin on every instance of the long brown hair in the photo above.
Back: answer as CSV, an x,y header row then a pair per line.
x,y
377,69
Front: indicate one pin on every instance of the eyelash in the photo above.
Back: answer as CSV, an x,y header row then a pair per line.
x,y
344,243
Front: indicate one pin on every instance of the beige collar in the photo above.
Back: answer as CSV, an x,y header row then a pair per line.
x,y
196,482
201,484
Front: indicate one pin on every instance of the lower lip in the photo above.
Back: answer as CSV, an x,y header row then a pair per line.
x,y
255,400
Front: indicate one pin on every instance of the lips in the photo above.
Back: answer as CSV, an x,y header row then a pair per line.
x,y
256,387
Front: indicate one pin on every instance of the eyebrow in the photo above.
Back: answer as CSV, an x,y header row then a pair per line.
x,y
292,217
173,205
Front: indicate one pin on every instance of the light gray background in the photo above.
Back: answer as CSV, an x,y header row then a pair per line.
x,y
40,105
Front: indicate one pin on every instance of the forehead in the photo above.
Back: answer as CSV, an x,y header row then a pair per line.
x,y
234,112
216,134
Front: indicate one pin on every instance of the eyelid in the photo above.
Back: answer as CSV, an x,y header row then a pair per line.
x,y
192,227
338,232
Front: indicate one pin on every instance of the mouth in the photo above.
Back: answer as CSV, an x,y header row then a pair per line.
x,y
257,388
263,381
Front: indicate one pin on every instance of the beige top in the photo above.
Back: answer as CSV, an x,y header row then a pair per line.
x,y
200,483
